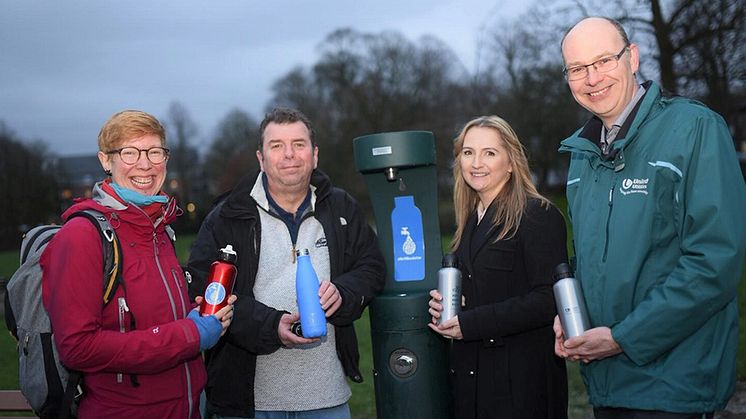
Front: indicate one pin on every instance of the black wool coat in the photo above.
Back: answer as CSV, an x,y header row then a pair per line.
x,y
505,365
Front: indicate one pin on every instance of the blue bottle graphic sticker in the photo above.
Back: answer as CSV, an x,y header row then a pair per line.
x,y
409,242
215,293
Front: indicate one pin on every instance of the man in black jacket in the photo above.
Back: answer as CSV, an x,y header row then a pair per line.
x,y
260,367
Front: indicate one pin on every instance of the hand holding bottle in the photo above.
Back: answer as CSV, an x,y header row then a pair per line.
x,y
225,314
594,344
208,327
435,306
330,298
450,328
287,337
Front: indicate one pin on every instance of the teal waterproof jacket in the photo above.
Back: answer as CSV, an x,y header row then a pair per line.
x,y
659,229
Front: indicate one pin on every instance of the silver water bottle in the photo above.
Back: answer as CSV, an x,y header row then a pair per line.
x,y
449,287
568,295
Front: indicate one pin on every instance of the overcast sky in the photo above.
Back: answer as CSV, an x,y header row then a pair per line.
x,y
65,67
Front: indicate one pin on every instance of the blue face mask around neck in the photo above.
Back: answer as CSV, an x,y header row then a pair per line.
x,y
137,198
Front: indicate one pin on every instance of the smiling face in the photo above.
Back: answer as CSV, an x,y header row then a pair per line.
x,y
287,157
143,176
485,164
603,94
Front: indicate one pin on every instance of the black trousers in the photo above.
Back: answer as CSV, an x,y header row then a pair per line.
x,y
621,413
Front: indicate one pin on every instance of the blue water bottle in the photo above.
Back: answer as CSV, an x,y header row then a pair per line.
x,y
409,242
312,317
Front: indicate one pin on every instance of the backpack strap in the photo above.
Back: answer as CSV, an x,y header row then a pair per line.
x,y
35,239
71,392
112,251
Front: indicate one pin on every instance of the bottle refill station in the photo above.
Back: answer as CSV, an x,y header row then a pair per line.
x,y
410,360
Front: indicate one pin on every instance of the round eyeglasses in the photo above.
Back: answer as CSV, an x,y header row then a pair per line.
x,y
130,155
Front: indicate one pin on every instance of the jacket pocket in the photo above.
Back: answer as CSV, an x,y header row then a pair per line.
x,y
500,257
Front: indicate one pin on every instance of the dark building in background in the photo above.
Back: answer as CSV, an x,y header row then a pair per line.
x,y
77,176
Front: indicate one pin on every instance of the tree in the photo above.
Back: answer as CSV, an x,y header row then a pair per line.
x,y
706,63
232,153
535,99
184,161
694,45
184,157
29,188
373,83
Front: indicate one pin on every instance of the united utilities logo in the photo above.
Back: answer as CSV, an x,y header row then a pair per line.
x,y
634,186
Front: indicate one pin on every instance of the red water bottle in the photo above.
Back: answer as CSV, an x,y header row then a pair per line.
x,y
219,282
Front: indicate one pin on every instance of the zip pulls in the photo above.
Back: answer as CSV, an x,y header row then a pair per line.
x,y
608,220
155,244
122,303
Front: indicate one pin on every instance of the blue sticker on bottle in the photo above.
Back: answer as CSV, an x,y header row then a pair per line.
x,y
408,239
214,293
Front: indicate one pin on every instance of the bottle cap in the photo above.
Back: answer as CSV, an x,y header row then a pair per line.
x,y
450,260
305,252
563,270
228,254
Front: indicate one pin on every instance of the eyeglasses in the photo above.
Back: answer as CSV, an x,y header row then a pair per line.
x,y
130,155
602,65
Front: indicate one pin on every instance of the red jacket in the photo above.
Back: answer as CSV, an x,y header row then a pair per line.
x,y
163,350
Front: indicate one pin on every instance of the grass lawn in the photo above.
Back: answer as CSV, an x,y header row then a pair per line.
x,y
363,397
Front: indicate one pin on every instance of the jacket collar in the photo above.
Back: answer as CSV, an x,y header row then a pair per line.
x,y
260,195
241,201
107,204
587,137
477,235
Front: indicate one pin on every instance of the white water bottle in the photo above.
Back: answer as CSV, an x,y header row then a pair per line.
x,y
568,296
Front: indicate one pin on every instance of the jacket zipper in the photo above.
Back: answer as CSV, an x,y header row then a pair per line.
x,y
184,313
122,328
179,288
178,283
294,248
156,253
608,220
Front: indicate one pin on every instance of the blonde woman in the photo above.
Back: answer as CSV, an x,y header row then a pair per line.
x,y
508,240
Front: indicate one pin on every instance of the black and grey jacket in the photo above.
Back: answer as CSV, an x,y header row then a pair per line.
x,y
357,270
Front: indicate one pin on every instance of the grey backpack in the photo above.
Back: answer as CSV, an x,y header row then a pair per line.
x,y
48,386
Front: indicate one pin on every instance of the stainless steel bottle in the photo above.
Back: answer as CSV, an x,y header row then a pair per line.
x,y
568,295
449,287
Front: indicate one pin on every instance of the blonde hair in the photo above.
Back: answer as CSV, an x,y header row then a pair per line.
x,y
511,200
126,125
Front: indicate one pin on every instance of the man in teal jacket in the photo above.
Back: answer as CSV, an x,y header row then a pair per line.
x,y
657,203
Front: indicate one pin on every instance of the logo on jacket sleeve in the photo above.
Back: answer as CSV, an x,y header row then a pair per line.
x,y
634,186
